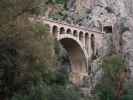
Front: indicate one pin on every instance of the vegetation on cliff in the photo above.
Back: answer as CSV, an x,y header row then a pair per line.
x,y
115,75
28,56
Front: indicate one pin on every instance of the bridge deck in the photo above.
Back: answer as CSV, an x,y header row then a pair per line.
x,y
70,25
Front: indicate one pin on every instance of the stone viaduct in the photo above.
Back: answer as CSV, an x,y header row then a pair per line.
x,y
81,44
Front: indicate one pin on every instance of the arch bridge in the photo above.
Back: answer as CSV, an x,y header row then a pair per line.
x,y
81,44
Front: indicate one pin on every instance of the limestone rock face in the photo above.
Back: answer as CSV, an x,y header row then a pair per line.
x,y
81,4
116,14
127,48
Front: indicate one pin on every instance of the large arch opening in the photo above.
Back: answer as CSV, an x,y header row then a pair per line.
x,y
77,60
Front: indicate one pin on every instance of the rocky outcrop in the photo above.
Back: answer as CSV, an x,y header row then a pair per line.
x,y
127,48
114,17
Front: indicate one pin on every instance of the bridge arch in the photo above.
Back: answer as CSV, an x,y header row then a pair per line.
x,y
55,30
78,57
81,37
75,33
62,30
69,31
70,37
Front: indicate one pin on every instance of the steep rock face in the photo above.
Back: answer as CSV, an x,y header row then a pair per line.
x,y
129,7
127,42
122,35
80,5
116,14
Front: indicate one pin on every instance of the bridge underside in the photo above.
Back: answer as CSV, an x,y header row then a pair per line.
x,y
77,60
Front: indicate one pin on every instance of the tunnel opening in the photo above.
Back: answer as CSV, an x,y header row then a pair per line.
x,y
107,29
77,66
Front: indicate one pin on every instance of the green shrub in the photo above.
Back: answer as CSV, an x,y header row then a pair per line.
x,y
37,92
113,66
23,47
110,85
41,91
128,90
63,93
57,1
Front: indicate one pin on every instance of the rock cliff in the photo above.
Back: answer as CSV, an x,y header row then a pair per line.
x,y
114,17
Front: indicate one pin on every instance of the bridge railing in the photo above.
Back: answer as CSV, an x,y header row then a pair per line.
x,y
70,25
